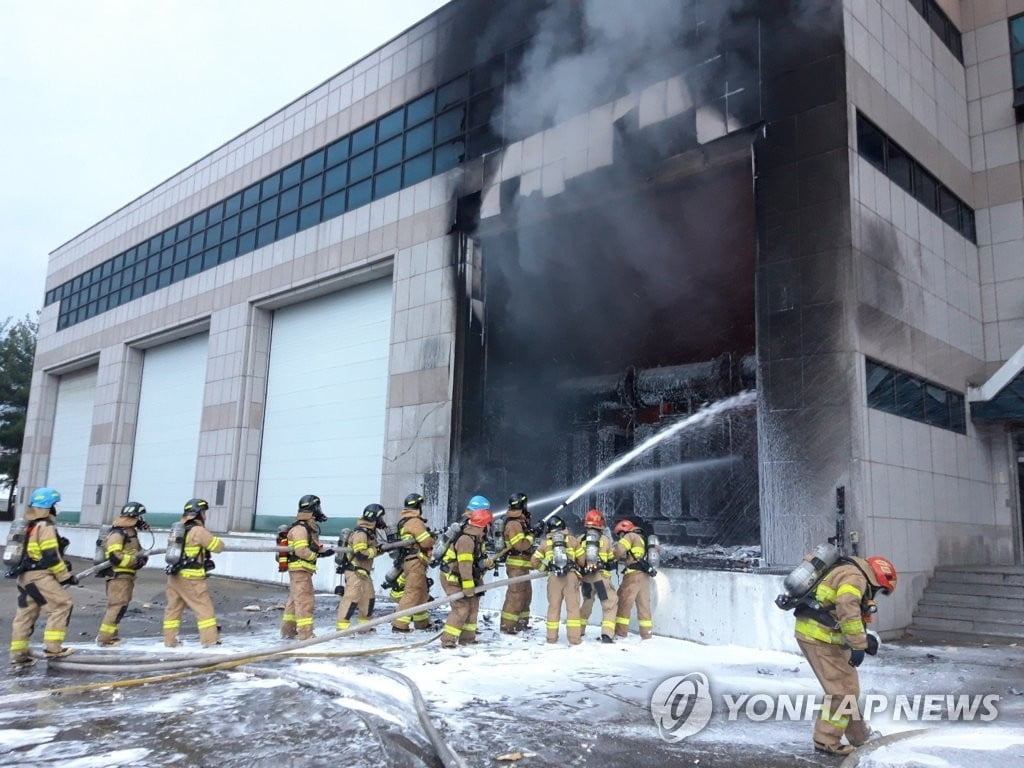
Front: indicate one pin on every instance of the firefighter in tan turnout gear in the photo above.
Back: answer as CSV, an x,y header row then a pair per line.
x,y
419,545
124,559
461,570
561,555
830,632
304,541
42,572
598,564
186,582
357,594
518,541
635,587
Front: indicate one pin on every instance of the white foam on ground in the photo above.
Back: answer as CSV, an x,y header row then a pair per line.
x,y
962,747
119,757
11,739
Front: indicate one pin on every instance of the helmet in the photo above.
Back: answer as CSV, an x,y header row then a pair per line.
x,y
593,519
133,509
413,501
195,508
478,502
885,573
556,523
44,498
311,503
373,513
624,526
517,501
481,518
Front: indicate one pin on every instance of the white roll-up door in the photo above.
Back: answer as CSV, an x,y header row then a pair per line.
x,y
167,432
72,430
323,429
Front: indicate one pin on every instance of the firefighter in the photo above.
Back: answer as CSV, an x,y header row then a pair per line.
x,y
462,571
304,541
518,541
357,595
125,558
598,564
412,530
186,583
834,641
635,587
43,571
561,556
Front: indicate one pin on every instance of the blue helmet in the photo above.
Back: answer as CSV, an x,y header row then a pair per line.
x,y
44,498
478,502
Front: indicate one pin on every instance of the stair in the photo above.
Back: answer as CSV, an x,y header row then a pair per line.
x,y
980,604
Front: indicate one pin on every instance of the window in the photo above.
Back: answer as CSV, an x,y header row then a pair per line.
x,y
947,32
1017,64
903,394
892,160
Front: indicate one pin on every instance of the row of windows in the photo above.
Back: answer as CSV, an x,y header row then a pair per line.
x,y
890,158
427,136
902,394
941,25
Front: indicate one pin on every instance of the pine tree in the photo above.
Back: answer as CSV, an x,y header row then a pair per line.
x,y
17,350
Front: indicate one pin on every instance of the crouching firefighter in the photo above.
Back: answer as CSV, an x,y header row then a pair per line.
x,y
462,571
598,564
561,556
190,545
41,571
305,549
830,632
357,592
419,545
518,542
124,558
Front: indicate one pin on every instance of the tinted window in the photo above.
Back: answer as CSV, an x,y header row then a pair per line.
x,y
271,185
334,205
420,110
291,175
450,124
289,200
448,156
311,189
251,196
363,139
389,153
870,143
387,182
312,165
248,219
335,178
360,166
359,194
417,169
419,139
309,216
268,210
390,125
230,228
265,234
337,151
232,205
901,168
452,93
286,225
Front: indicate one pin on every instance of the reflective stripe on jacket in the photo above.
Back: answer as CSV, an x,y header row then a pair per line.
x,y
840,593
199,543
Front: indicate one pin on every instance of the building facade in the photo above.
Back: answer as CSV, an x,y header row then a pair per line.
x,y
494,265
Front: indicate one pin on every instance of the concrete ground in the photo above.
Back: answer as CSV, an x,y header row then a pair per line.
x,y
550,728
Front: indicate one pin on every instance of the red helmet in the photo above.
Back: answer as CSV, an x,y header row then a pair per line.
x,y
481,518
624,526
593,519
885,573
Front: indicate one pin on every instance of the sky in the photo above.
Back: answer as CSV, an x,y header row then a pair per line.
x,y
104,99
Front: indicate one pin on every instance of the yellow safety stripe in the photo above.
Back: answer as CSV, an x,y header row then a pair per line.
x,y
454,631
53,635
359,546
19,645
305,621
299,543
839,722
622,620
515,539
469,627
516,562
108,629
172,623
207,623
851,627
574,622
423,537
342,625
465,557
812,629
552,624
302,565
509,616
192,573
609,625
849,589
288,618
468,584
645,623
214,543
825,594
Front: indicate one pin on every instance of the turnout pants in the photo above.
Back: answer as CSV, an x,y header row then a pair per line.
x,y
119,594
461,624
635,589
515,611
416,590
564,589
597,586
195,595
840,712
39,591
358,598
297,621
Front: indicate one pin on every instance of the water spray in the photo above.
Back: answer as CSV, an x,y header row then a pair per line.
x,y
704,414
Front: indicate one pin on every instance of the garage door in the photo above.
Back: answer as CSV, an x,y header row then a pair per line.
x,y
167,433
72,429
323,429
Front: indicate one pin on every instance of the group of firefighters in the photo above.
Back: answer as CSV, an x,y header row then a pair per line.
x,y
830,624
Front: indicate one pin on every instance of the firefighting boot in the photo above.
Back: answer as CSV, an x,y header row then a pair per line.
x,y
833,749
59,653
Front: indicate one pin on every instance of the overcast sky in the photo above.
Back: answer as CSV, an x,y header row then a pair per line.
x,y
103,99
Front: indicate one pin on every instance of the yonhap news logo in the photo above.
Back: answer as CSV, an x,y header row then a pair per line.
x,y
681,706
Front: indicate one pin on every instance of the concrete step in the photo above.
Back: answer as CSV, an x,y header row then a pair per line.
x,y
998,578
1011,569
946,637
973,588
969,627
1013,605
934,610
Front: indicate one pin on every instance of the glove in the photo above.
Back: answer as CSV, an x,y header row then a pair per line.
x,y
856,657
325,552
140,562
71,582
63,543
872,648
471,592
538,530
488,563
